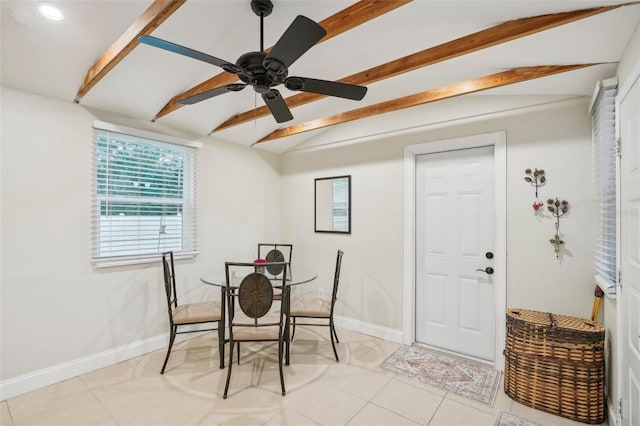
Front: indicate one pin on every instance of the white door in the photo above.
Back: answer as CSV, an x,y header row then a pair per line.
x,y
455,236
630,254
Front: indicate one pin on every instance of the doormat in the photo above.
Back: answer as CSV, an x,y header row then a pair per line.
x,y
508,419
463,377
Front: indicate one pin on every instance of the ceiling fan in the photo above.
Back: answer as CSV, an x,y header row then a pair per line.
x,y
263,71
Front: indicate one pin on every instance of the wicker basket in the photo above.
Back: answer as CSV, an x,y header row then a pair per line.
x,y
555,363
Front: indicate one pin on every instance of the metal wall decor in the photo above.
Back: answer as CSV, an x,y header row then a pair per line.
x,y
536,179
558,209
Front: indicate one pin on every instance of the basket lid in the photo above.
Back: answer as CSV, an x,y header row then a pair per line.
x,y
547,319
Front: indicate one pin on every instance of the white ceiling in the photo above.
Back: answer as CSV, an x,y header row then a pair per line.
x,y
52,58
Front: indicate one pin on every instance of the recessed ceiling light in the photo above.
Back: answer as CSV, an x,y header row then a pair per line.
x,y
50,12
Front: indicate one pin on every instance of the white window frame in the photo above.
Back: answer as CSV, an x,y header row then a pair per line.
x,y
604,153
185,245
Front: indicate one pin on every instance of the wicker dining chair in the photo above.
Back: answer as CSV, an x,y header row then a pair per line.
x,y
189,314
319,308
256,322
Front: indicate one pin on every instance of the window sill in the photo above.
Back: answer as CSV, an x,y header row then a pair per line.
x,y
108,262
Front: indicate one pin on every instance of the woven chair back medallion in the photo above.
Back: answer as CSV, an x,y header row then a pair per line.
x,y
275,256
255,295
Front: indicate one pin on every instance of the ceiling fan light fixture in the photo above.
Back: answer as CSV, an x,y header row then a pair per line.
x,y
50,12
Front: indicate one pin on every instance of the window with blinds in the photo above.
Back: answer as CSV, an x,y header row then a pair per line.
x,y
341,204
143,199
604,175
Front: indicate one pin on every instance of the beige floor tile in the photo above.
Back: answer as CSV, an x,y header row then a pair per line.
x,y
453,413
324,404
44,399
114,374
149,401
221,417
76,409
203,351
409,401
5,415
290,417
105,422
372,415
541,417
371,353
357,381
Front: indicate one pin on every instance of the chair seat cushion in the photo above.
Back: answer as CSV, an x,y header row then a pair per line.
x,y
248,333
197,312
270,318
316,308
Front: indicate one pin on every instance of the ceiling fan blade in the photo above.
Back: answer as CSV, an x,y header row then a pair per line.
x,y
301,35
324,87
277,106
211,93
181,50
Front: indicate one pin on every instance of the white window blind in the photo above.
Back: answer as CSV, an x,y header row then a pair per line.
x,y
341,204
143,199
604,175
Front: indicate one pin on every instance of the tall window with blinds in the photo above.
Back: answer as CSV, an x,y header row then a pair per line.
x,y
604,175
143,200
341,204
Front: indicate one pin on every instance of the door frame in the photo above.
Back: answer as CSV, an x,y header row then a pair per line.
x,y
498,140
621,348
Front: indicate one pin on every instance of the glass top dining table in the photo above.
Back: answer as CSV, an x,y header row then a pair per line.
x,y
296,275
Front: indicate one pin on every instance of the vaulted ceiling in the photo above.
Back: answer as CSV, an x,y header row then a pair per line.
x,y
413,56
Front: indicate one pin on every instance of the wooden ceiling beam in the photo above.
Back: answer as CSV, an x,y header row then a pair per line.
x,y
150,19
345,20
483,39
516,75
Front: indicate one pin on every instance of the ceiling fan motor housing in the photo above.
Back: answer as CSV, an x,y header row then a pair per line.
x,y
261,78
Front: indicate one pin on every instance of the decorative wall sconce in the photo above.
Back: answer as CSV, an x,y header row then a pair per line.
x,y
558,209
536,179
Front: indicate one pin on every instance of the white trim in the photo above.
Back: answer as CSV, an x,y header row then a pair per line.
x,y
67,370
107,262
110,127
499,141
612,416
369,329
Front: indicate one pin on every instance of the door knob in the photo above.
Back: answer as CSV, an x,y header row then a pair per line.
x,y
488,270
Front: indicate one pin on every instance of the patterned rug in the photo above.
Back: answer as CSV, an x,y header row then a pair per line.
x,y
508,419
467,378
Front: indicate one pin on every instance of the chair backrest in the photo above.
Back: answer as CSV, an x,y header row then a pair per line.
x,y
169,280
273,252
336,278
255,292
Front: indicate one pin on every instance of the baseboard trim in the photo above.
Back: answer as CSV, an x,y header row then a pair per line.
x,y
612,417
67,370
370,329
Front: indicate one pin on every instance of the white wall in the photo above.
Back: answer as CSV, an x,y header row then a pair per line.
x,y
556,138
55,307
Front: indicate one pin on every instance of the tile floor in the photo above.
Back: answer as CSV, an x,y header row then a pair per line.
x,y
319,391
